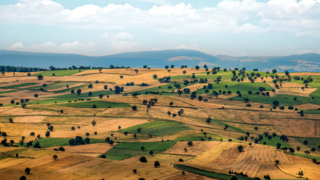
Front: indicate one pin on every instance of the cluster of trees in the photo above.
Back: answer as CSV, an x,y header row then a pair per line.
x,y
4,69
79,141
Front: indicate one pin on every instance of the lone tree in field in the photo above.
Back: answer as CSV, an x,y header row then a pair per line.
x,y
23,178
40,77
240,148
10,120
151,153
142,148
300,173
190,143
55,157
208,120
101,96
36,95
134,108
27,170
93,123
156,164
134,171
277,162
105,87
48,134
197,67
155,76
267,177
143,159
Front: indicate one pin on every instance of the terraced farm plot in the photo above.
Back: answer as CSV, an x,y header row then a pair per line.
x,y
95,94
274,141
157,128
128,149
311,142
60,72
50,142
18,86
99,104
243,87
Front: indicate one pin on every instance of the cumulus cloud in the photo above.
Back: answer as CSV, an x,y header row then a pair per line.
x,y
299,17
123,45
50,47
17,45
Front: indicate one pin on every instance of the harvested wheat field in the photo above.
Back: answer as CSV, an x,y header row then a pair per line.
x,y
197,148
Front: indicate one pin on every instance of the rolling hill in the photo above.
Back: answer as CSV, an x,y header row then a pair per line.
x,y
158,59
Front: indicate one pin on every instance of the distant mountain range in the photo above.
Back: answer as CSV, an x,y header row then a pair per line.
x,y
158,59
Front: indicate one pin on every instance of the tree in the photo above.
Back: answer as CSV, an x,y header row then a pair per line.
x,y
240,148
23,178
87,134
156,164
48,134
190,143
143,159
10,120
61,148
275,103
267,177
197,67
135,136
71,142
101,96
134,171
79,91
105,87
234,178
184,72
55,157
151,152
142,148
300,173
274,71
155,76
40,77
171,103
27,170
208,120
36,95
134,108
93,123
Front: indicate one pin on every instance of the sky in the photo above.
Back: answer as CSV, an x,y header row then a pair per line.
x,y
216,27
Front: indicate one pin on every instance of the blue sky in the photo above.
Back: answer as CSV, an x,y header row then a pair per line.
x,y
100,27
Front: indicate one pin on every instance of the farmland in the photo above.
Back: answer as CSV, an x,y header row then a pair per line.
x,y
107,124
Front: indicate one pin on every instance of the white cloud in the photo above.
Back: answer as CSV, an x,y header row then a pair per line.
x,y
187,47
123,45
122,36
15,46
305,51
299,17
49,47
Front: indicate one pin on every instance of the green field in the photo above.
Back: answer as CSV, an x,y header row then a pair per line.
x,y
243,87
199,137
226,76
18,86
157,128
208,173
307,156
274,141
312,142
60,72
284,100
83,95
230,127
69,89
58,85
128,149
162,88
50,142
99,104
